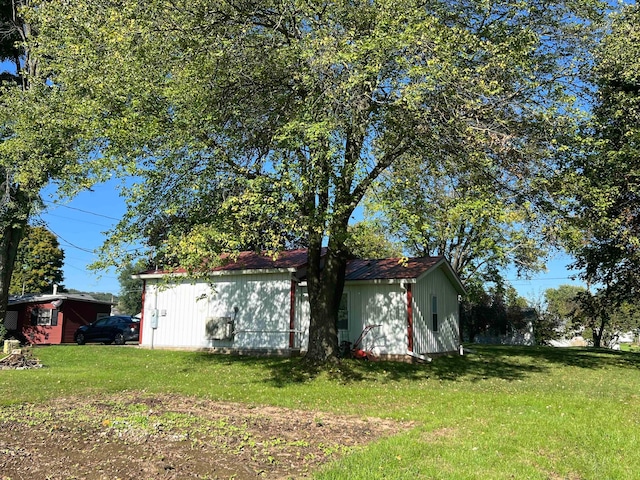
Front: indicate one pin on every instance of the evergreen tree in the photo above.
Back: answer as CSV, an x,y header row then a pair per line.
x,y
38,263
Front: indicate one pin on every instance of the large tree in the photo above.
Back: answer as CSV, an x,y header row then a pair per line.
x,y
600,317
608,219
265,122
38,142
38,263
562,308
17,197
369,240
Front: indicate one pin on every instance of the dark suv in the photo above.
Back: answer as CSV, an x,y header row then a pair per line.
x,y
117,329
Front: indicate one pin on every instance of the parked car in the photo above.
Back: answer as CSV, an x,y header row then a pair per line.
x,y
117,329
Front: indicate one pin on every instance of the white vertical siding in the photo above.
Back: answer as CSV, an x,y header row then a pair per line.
x,y
368,305
446,338
302,318
378,304
262,302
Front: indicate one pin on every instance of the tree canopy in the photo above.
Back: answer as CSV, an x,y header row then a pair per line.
x,y
608,187
480,225
264,123
599,318
368,240
130,298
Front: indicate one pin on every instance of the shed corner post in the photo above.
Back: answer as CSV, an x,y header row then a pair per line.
x,y
292,314
409,318
144,290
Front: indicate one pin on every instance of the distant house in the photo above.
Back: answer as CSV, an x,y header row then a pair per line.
x,y
517,330
52,319
256,304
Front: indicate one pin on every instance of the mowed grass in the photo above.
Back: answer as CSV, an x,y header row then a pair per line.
x,y
496,413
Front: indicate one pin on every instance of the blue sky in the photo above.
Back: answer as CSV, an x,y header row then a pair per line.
x,y
81,225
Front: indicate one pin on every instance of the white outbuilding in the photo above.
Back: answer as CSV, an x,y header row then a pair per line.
x,y
255,304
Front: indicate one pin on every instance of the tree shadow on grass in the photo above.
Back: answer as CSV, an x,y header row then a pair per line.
x,y
477,367
580,357
286,370
447,368
480,362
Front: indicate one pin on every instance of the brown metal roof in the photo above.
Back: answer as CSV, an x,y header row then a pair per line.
x,y
357,269
288,259
389,268
255,261
384,269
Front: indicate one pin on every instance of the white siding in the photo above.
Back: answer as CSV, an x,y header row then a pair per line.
x,y
259,305
378,304
386,305
302,318
368,305
446,338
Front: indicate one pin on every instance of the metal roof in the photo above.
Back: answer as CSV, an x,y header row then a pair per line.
x,y
389,268
288,259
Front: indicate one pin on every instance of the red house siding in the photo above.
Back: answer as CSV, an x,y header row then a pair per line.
x,y
40,334
70,315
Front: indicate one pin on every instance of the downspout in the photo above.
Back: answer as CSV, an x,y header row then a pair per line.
x,y
154,314
292,314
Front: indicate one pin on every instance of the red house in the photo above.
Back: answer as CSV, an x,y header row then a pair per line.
x,y
52,319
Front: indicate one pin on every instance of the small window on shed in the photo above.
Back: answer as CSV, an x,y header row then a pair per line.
x,y
44,317
434,312
343,313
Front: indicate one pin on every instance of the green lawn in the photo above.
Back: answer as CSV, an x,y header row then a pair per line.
x,y
500,412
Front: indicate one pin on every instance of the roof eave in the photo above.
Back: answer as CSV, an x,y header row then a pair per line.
x,y
381,281
48,298
219,273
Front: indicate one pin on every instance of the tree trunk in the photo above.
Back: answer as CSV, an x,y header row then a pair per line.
x,y
12,232
325,283
599,331
597,337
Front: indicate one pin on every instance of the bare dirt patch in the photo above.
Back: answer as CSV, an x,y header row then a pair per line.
x,y
135,435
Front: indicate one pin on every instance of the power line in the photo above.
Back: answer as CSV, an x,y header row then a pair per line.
x,y
85,271
67,265
71,244
81,210
74,220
